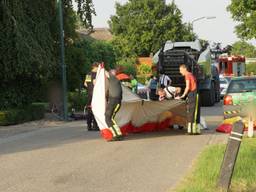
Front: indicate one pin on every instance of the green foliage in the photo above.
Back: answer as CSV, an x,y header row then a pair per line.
x,y
128,65
204,175
140,27
144,69
26,50
14,116
81,55
29,48
85,10
143,73
251,67
244,12
243,48
77,100
75,61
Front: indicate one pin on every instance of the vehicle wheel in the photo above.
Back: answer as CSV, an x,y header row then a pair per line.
x,y
208,97
217,97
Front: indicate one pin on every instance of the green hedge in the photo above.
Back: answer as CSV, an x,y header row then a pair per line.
x,y
77,100
14,116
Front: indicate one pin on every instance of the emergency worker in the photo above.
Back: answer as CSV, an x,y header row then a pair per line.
x,y
190,93
114,98
89,84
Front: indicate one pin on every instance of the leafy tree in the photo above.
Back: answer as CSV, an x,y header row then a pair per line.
x,y
26,50
244,11
251,68
140,27
243,48
143,72
29,46
85,10
82,54
128,65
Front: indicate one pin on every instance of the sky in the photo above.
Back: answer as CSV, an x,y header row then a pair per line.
x,y
221,29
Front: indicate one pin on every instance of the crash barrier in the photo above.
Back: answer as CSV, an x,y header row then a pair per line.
x,y
230,156
249,124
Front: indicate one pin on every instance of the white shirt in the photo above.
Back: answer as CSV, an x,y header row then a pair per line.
x,y
165,80
170,92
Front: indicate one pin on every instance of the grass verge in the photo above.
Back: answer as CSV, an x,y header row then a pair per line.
x,y
203,177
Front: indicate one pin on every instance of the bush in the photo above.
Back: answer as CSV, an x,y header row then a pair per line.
x,y
251,67
128,65
77,100
14,116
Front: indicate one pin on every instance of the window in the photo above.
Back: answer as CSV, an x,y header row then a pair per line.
x,y
242,85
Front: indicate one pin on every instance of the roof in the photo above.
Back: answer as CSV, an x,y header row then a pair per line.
x,y
97,33
122,76
145,60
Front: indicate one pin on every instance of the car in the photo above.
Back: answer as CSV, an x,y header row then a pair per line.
x,y
240,98
223,86
228,78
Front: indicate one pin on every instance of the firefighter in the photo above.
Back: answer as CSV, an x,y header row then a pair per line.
x,y
192,95
114,98
89,84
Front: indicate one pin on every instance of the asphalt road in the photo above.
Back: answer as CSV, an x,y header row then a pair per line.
x,y
68,158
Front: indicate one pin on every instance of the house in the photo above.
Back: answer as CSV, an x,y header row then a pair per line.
x,y
103,34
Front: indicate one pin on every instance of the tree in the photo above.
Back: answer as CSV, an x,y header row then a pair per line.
x,y
244,11
29,46
140,27
143,72
82,54
243,48
85,10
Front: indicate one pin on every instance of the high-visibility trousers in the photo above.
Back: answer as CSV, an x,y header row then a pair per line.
x,y
113,107
193,112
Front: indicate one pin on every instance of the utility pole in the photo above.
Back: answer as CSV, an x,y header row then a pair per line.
x,y
62,59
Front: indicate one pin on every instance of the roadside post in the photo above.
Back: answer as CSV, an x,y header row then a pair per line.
x,y
62,59
230,156
250,127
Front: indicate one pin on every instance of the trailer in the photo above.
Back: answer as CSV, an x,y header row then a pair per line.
x,y
199,62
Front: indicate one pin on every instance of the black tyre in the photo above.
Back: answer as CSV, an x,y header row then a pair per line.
x,y
218,98
208,96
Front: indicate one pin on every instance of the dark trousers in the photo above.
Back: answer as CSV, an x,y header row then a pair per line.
x,y
153,95
91,122
113,107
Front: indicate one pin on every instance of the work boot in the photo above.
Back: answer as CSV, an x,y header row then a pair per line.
x,y
95,127
117,138
89,128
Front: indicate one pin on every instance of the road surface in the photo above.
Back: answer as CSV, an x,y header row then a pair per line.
x,y
66,157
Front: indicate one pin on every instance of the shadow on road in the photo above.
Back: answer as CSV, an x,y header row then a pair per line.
x,y
46,138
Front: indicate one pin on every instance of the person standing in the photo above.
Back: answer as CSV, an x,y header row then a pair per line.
x,y
114,99
164,81
192,95
89,84
134,84
190,80
152,86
